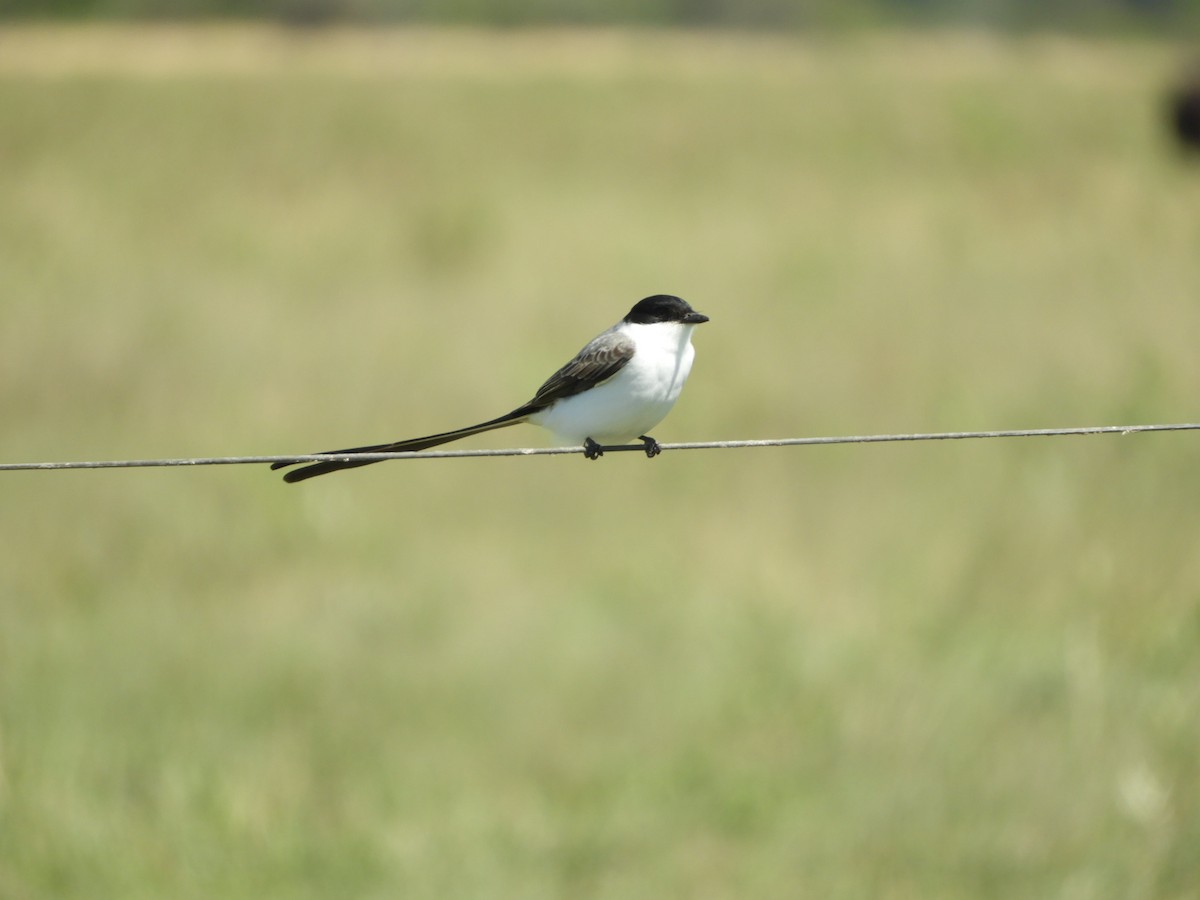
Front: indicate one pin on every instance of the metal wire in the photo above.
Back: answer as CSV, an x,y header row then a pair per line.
x,y
559,451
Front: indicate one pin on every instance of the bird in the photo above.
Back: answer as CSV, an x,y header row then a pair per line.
x,y
620,385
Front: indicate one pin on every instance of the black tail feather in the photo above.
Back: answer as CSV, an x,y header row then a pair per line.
x,y
413,444
322,468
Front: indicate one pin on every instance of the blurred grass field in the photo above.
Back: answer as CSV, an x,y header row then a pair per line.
x,y
962,670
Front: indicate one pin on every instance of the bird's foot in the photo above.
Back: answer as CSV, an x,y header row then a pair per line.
x,y
591,449
652,447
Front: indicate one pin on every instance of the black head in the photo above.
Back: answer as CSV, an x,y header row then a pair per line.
x,y
664,308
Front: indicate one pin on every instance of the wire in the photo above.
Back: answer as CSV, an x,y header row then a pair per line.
x,y
559,451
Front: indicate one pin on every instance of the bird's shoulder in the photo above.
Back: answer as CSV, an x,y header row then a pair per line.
x,y
598,361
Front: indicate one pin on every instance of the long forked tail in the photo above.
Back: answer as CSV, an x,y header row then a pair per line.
x,y
412,444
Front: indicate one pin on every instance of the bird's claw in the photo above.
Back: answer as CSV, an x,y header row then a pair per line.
x,y
652,447
592,450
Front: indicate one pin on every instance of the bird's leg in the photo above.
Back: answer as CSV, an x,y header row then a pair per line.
x,y
652,448
591,449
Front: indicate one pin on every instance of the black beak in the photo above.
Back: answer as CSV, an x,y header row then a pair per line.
x,y
694,318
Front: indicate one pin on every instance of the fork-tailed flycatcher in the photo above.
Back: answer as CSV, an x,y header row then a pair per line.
x,y
618,387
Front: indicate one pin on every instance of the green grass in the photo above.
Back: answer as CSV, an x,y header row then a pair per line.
x,y
967,670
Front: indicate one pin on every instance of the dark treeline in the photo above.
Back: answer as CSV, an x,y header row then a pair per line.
x,y
1012,14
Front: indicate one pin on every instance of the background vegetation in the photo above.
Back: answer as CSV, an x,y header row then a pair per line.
x,y
1073,15
897,671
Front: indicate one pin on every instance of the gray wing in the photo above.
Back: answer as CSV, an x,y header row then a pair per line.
x,y
599,361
